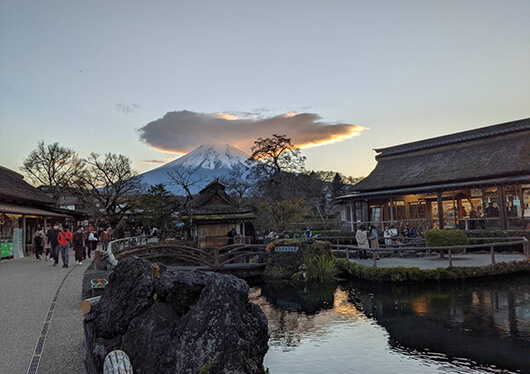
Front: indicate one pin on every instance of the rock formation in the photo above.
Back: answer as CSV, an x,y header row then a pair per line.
x,y
176,322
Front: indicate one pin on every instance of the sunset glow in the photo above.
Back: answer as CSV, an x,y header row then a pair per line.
x,y
354,132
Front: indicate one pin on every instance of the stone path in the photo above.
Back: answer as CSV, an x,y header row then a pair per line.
x,y
27,291
433,262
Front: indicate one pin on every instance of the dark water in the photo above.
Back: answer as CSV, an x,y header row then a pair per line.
x,y
356,327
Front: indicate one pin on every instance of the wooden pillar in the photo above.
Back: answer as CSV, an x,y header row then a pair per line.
x,y
440,210
391,209
502,207
351,218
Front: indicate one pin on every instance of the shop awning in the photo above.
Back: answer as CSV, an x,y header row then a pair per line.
x,y
28,210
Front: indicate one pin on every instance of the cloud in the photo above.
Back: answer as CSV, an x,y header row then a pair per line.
x,y
127,108
180,132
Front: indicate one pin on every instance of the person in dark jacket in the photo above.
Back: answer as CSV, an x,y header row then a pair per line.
x,y
52,239
231,234
79,245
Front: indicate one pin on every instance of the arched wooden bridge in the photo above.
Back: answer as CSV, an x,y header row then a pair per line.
x,y
243,260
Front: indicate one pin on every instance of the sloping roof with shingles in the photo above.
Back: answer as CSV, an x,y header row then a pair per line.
x,y
14,188
490,152
213,200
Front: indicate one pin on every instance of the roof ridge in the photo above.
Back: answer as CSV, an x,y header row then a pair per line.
x,y
459,137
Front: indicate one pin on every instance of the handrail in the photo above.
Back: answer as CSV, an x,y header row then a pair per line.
x,y
375,251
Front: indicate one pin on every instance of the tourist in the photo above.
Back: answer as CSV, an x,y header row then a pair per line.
x,y
79,245
92,242
54,244
308,233
64,238
47,245
231,234
387,234
104,238
473,214
362,242
39,243
374,237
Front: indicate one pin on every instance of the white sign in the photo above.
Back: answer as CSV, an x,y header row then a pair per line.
x,y
286,249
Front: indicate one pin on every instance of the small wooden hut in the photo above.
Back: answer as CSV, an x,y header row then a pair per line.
x,y
477,179
215,213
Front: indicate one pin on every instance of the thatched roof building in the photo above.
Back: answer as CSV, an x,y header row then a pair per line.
x,y
23,208
215,213
466,171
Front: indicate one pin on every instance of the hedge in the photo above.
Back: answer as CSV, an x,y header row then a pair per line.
x,y
402,274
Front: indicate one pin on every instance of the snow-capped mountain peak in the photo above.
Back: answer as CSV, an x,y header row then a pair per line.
x,y
207,162
212,157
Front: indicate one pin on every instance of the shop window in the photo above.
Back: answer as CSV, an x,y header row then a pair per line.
x,y
514,206
376,213
418,210
400,210
491,202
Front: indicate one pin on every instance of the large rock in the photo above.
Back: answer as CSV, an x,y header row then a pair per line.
x,y
176,322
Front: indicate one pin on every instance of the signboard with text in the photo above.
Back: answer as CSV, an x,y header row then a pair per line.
x,y
287,249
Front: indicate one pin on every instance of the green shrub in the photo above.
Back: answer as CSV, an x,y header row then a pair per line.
x,y
402,274
445,238
320,268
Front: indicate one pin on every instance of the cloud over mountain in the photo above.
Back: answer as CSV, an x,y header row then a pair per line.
x,y
180,132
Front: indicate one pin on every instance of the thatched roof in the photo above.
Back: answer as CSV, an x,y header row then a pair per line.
x,y
214,203
13,188
490,152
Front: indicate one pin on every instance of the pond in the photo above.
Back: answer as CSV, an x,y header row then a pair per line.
x,y
358,327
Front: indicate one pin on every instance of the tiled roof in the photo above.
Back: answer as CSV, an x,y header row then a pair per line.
x,y
14,188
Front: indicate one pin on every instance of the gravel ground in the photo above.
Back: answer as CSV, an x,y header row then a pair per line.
x,y
27,290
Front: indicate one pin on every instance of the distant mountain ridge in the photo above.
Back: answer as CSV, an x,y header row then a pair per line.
x,y
209,160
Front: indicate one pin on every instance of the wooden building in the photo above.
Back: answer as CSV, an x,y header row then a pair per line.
x,y
215,214
23,208
477,179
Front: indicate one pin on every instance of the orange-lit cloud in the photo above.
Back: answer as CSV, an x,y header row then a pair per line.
x,y
180,132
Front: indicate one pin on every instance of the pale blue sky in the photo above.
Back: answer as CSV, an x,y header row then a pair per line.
x,y
408,70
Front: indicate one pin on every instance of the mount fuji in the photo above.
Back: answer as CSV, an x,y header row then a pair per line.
x,y
208,161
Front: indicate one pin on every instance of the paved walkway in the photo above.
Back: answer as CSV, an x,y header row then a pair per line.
x,y
27,291
433,262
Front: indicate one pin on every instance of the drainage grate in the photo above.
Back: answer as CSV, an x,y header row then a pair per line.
x,y
35,360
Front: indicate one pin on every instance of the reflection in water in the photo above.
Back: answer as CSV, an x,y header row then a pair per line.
x,y
356,326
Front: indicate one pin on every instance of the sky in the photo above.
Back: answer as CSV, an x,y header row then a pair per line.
x,y
152,80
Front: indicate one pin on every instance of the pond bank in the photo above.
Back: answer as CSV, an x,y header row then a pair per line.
x,y
433,268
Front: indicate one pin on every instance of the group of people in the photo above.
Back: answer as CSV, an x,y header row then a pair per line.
x,y
57,241
369,238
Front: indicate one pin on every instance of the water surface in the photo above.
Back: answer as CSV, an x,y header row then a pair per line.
x,y
358,327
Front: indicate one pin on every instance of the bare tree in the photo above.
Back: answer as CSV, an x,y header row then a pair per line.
x,y
275,160
52,166
187,179
239,182
109,186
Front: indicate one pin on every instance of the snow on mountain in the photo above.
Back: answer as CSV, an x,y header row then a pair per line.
x,y
209,161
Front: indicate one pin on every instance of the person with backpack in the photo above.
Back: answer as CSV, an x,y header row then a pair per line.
x,y
39,243
64,238
78,241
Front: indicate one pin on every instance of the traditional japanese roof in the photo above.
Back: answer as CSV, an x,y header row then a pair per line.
x,y
496,151
13,188
213,203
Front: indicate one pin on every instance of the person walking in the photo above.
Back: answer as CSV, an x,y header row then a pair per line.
x,y
362,242
64,238
104,238
39,243
47,245
388,235
54,243
92,242
78,241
